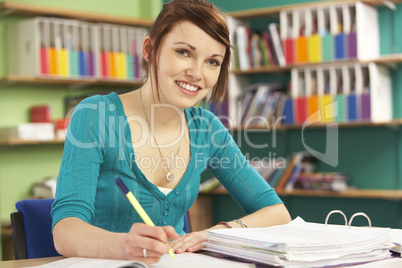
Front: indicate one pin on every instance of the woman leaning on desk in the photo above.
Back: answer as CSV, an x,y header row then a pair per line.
x,y
159,144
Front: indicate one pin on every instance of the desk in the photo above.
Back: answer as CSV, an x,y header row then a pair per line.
x,y
28,262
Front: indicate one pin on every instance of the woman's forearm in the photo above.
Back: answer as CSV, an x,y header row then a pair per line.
x,y
267,216
76,238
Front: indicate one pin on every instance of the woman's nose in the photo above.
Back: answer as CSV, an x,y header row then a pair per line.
x,y
195,71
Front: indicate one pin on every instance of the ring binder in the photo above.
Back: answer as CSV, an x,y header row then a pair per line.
x,y
349,224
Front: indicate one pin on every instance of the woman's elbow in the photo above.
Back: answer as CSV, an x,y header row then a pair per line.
x,y
61,234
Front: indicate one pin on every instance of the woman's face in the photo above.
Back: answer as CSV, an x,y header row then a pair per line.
x,y
189,64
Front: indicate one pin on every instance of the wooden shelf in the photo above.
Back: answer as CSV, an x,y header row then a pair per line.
x,y
361,193
384,59
393,123
11,142
274,11
14,79
11,8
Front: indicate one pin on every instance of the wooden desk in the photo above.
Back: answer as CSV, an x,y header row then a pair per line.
x,y
28,262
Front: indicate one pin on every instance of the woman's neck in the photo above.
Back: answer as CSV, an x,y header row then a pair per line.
x,y
156,112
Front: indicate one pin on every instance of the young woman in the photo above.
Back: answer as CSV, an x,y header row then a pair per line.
x,y
159,144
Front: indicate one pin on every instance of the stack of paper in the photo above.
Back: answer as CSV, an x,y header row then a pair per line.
x,y
303,244
396,238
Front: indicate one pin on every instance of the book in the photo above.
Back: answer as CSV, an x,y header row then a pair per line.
x,y
325,181
304,244
28,131
273,29
293,169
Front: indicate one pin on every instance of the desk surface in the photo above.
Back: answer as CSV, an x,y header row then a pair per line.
x,y
28,262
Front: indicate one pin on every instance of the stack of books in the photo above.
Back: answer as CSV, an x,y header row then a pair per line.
x,y
303,244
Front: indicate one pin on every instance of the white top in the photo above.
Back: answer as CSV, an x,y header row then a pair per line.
x,y
166,191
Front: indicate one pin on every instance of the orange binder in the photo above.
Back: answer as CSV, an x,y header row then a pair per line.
x,y
301,49
312,108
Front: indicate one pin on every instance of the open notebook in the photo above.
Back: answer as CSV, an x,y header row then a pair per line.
x,y
193,260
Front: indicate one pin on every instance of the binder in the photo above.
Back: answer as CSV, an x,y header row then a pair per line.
x,y
53,49
130,55
314,42
82,70
63,53
351,97
349,28
324,29
299,95
337,31
363,92
367,31
104,49
136,59
288,111
114,55
305,244
342,81
124,51
287,37
43,26
325,98
380,93
72,45
91,50
300,37
336,90
311,95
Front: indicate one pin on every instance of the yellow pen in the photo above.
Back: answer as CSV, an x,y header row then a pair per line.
x,y
137,206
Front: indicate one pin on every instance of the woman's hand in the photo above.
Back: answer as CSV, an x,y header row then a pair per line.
x,y
190,242
153,239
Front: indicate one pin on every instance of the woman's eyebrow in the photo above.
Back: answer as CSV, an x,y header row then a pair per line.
x,y
194,49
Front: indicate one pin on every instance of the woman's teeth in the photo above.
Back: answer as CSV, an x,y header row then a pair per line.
x,y
187,86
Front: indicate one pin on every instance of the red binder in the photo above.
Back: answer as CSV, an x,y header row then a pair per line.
x,y
301,109
289,50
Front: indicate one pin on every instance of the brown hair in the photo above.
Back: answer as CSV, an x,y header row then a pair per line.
x,y
203,14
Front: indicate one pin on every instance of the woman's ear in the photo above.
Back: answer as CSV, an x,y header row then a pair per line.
x,y
147,48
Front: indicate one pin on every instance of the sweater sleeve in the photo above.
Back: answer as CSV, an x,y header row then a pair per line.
x,y
82,156
233,170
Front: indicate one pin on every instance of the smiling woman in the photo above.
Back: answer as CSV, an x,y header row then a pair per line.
x,y
158,143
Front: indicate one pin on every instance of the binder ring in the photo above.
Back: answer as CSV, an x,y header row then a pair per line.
x,y
336,211
359,214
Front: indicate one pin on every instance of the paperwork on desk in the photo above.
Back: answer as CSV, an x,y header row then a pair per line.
x,y
185,260
303,244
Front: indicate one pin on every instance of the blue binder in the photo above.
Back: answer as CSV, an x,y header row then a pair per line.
x,y
288,112
339,40
352,107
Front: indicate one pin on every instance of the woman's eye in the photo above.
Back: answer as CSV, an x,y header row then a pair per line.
x,y
182,52
214,63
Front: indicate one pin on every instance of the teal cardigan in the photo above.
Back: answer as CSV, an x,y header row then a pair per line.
x,y
98,149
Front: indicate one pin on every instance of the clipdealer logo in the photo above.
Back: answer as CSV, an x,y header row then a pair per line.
x,y
331,154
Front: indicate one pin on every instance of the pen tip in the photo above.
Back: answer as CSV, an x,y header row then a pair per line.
x,y
122,187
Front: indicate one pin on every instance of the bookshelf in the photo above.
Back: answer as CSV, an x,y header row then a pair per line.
x,y
389,60
14,142
25,162
353,193
72,83
369,152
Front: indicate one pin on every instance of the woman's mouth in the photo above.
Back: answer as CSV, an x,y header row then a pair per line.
x,y
187,86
